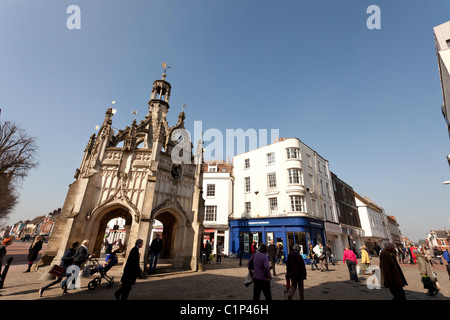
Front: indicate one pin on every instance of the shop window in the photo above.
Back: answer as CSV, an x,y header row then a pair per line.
x,y
299,238
249,238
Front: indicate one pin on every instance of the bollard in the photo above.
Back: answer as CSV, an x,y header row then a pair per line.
x,y
5,271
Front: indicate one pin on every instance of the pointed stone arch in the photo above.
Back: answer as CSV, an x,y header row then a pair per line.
x,y
100,218
175,224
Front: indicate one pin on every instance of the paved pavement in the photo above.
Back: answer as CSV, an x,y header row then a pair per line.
x,y
217,282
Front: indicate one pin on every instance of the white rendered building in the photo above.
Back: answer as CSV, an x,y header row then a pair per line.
x,y
373,222
218,195
279,196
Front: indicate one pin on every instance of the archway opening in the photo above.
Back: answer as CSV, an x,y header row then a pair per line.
x,y
113,226
167,229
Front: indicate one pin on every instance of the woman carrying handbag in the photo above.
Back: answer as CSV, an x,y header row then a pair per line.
x,y
66,261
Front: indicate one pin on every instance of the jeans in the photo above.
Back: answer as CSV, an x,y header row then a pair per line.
x,y
330,259
154,256
313,263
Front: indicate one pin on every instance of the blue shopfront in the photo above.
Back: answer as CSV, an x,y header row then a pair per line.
x,y
285,230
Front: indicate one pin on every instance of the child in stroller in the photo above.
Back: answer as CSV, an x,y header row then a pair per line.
x,y
110,261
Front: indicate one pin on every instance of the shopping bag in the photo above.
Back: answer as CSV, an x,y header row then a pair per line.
x,y
57,271
358,270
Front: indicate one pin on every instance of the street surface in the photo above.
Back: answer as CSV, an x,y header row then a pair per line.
x,y
219,282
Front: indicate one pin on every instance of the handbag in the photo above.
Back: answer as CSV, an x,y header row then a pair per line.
x,y
427,282
57,271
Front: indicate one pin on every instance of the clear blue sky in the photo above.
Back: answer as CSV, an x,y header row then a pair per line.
x,y
366,100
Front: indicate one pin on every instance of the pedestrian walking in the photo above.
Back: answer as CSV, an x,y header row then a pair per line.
x,y
131,272
365,259
438,254
280,253
33,252
412,256
6,242
253,248
295,268
391,274
446,257
219,252
349,258
329,254
207,252
154,252
66,261
81,254
272,252
427,275
322,258
402,251
259,267
312,258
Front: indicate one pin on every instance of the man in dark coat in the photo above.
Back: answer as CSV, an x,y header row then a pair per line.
x,y
155,249
130,272
391,274
272,252
296,271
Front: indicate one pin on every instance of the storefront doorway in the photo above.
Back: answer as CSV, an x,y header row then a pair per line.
x,y
299,238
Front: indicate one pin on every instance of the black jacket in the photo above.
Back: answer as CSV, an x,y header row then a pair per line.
x,y
272,250
34,250
67,258
156,245
295,266
80,256
132,269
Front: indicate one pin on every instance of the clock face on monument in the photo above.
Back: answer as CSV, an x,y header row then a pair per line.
x,y
176,171
180,137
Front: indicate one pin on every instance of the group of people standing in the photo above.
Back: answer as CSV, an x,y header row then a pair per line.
x,y
207,252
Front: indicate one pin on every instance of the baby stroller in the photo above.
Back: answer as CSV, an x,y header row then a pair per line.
x,y
93,266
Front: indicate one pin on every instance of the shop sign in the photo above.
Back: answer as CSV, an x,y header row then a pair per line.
x,y
333,228
257,223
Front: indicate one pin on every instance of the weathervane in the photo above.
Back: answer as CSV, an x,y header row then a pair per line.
x,y
165,66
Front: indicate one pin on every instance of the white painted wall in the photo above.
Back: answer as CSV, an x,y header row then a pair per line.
x,y
260,192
